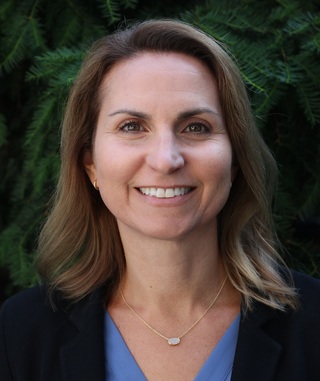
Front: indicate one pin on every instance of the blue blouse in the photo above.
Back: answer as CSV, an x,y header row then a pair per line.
x,y
121,366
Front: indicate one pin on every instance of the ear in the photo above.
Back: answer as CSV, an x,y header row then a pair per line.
x,y
89,165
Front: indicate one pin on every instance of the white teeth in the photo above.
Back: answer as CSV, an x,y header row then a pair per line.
x,y
164,193
169,192
161,193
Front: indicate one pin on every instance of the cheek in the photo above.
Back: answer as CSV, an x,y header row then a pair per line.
x,y
115,170
112,188
220,166
108,162
219,180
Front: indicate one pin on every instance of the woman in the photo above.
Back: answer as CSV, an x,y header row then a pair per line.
x,y
158,258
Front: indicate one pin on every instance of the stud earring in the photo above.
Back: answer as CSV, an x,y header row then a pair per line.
x,y
95,184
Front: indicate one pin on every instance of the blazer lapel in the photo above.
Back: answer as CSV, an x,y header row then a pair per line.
x,y
257,354
82,358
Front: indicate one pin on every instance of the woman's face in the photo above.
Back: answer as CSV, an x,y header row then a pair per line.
x,y
161,155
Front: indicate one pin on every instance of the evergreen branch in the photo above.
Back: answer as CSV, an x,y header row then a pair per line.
x,y
310,73
288,71
313,44
76,24
270,98
17,52
42,115
54,62
289,5
5,7
129,4
62,81
111,10
15,257
253,85
299,24
309,99
47,168
69,28
36,32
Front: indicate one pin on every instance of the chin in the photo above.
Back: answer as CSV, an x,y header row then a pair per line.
x,y
169,232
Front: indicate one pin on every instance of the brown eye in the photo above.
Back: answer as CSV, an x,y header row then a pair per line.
x,y
131,127
197,128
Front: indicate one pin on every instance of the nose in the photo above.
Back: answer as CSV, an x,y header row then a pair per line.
x,y
165,154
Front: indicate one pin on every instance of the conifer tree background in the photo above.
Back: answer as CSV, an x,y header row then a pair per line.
x,y
276,44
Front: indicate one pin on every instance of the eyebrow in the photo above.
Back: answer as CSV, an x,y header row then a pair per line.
x,y
134,113
181,116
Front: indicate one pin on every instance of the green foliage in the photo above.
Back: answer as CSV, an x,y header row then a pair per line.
x,y
277,47
112,9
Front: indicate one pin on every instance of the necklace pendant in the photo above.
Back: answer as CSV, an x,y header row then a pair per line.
x,y
174,341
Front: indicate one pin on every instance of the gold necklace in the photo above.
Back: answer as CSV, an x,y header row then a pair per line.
x,y
174,340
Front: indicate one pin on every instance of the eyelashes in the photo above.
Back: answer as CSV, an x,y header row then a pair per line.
x,y
131,126
197,128
194,128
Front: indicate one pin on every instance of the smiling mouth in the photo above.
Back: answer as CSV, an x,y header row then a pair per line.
x,y
165,192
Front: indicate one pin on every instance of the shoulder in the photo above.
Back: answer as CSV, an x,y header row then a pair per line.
x,y
26,322
296,329
27,311
33,300
284,345
34,305
33,331
307,314
32,310
302,280
26,299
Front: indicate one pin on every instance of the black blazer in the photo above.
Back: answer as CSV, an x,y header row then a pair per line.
x,y
38,344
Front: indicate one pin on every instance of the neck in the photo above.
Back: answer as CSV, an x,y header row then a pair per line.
x,y
165,274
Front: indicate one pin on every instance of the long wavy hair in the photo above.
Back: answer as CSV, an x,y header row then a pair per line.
x,y
80,248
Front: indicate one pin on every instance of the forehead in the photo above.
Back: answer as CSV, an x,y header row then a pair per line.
x,y
165,59
156,72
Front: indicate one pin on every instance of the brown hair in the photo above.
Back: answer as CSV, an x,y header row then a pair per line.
x,y
80,248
